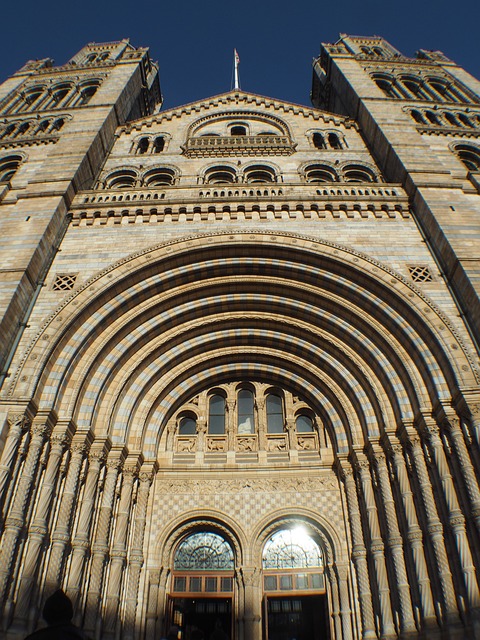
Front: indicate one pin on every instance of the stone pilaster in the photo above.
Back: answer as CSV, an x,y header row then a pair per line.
x,y
395,544
118,554
18,424
435,529
377,549
359,553
37,531
81,541
414,534
455,515
135,559
100,546
16,518
252,614
63,529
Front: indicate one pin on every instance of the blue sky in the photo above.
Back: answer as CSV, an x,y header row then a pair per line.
x,y
276,40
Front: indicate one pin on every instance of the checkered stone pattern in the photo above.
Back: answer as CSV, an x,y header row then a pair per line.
x,y
247,501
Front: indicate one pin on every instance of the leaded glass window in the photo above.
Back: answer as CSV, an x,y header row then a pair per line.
x,y
274,414
245,412
292,549
216,420
204,551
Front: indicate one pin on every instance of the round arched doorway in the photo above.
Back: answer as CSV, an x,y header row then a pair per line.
x,y
295,602
201,594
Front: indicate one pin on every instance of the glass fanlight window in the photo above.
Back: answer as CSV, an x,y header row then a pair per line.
x,y
292,549
204,551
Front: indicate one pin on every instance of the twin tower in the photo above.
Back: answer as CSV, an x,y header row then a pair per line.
x,y
239,355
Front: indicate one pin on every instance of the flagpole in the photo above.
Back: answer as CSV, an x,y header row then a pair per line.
x,y
236,60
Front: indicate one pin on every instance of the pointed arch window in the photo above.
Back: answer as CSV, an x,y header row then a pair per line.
x,y
245,411
216,415
275,420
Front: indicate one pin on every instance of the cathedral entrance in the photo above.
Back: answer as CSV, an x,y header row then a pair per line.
x,y
295,603
297,618
200,602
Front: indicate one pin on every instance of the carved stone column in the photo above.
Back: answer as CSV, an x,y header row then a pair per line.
x,y
16,519
414,534
230,405
118,554
455,516
452,425
395,544
435,530
62,532
18,423
100,546
160,605
262,423
345,609
335,601
136,550
152,628
377,550
359,554
201,435
38,529
81,541
252,613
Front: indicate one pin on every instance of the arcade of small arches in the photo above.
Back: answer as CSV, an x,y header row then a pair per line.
x,y
246,417
442,118
408,86
68,93
33,128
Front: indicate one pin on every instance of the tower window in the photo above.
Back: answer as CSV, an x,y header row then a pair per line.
x,y
320,173
470,156
8,167
259,174
142,146
216,415
357,173
238,130
245,411
318,141
275,420
334,141
159,177
187,426
304,424
158,144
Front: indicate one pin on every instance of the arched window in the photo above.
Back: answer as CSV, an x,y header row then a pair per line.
x,y
465,120
387,85
8,167
158,144
159,177
220,175
187,426
32,99
334,141
238,130
259,174
121,180
318,141
8,130
432,118
245,412
417,116
451,119
58,124
357,173
142,146
304,424
275,420
22,129
59,93
316,173
292,549
216,415
86,94
204,551
379,52
470,156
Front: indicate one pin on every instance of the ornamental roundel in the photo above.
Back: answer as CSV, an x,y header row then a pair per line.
x,y
204,551
292,549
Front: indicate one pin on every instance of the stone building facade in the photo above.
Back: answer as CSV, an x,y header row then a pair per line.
x,y
240,376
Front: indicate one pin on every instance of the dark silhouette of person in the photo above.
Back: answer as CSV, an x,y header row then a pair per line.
x,y
218,633
58,614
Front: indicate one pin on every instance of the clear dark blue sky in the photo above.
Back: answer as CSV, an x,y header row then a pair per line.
x,y
193,41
